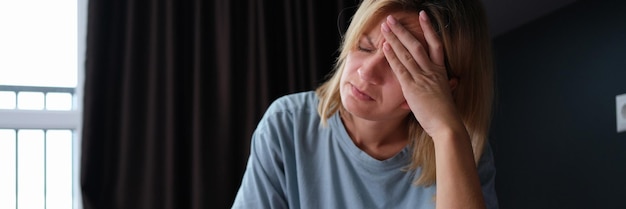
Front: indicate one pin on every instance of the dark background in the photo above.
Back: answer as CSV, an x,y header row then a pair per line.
x,y
554,133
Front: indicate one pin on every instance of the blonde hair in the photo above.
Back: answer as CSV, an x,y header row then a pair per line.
x,y
461,26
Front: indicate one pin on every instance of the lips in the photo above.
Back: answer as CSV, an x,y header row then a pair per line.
x,y
360,95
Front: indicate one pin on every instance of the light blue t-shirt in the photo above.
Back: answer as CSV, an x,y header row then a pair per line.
x,y
296,162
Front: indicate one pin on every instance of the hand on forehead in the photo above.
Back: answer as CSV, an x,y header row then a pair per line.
x,y
408,20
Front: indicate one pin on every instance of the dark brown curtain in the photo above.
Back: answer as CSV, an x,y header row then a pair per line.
x,y
174,89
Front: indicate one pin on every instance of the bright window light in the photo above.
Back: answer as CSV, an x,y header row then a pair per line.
x,y
42,60
30,100
8,167
30,169
58,101
7,100
38,43
58,169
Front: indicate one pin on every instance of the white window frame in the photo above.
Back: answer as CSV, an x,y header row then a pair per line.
x,y
52,119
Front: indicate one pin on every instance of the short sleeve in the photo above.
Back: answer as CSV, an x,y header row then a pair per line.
x,y
263,181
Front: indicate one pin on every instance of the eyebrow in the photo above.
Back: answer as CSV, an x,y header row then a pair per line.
x,y
369,40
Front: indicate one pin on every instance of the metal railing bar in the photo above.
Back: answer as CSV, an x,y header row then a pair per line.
x,y
44,89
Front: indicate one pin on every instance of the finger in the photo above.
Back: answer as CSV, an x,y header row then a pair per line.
x,y
435,48
402,73
405,44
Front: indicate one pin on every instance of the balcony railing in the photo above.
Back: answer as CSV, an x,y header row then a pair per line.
x,y
38,147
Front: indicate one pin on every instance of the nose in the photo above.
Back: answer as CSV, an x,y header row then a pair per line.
x,y
374,70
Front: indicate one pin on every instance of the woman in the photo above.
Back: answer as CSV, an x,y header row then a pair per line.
x,y
402,123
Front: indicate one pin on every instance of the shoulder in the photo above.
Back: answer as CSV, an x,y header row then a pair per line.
x,y
289,122
301,106
285,111
294,102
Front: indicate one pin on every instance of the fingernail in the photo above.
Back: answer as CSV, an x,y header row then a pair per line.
x,y
423,15
386,46
384,27
391,20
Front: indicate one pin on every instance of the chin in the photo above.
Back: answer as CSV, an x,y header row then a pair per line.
x,y
353,107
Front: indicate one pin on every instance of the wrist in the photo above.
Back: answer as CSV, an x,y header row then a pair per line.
x,y
451,130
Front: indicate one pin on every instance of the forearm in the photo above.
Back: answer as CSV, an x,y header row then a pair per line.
x,y
458,185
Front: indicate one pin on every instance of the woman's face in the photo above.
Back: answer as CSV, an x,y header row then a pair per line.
x,y
368,87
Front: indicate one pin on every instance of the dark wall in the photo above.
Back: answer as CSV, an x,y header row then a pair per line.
x,y
554,132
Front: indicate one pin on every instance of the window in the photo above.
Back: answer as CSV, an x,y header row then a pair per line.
x,y
41,70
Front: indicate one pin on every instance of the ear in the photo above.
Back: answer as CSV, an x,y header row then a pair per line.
x,y
454,82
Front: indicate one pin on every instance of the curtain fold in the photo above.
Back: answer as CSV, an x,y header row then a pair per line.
x,y
174,89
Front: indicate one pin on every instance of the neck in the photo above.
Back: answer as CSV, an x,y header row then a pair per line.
x,y
379,139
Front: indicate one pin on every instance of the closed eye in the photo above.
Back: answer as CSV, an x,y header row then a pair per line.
x,y
365,49
365,44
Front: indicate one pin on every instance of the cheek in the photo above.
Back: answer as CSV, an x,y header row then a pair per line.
x,y
391,81
350,66
394,90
